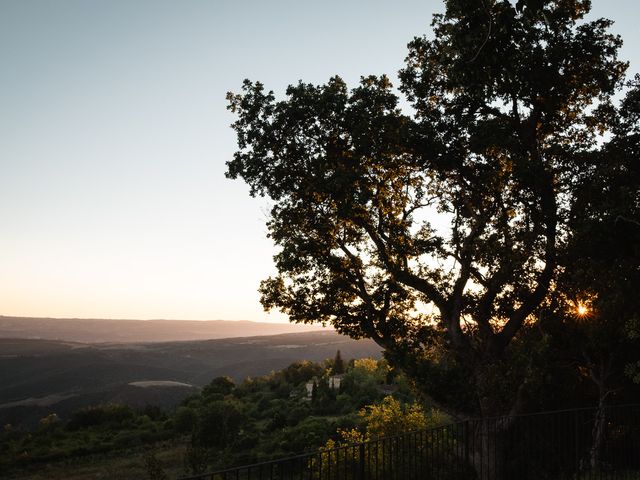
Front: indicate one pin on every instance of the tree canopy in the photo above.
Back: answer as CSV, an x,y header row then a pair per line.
x,y
601,261
436,230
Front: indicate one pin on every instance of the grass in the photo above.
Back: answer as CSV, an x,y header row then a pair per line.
x,y
124,465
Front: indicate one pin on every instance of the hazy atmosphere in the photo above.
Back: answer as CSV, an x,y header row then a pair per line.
x,y
114,137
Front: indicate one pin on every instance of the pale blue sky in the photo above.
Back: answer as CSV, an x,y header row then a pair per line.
x,y
114,135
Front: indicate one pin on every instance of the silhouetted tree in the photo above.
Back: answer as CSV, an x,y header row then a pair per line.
x,y
219,385
324,401
601,261
597,291
219,424
461,204
338,364
303,371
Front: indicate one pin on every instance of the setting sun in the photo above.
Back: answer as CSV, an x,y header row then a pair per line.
x,y
582,310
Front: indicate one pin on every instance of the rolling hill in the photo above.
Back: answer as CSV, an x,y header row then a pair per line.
x,y
38,377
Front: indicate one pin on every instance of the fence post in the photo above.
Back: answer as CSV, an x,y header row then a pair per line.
x,y
576,431
466,439
362,464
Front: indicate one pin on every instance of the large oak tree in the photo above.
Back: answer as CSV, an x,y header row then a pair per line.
x,y
435,230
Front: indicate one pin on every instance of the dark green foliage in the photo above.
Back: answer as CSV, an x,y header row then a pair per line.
x,y
463,203
196,459
305,436
298,413
601,262
153,467
300,372
359,388
94,430
154,412
338,364
111,415
219,423
324,400
282,419
259,419
185,419
220,385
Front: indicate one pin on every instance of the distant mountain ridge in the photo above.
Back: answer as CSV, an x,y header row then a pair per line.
x,y
130,331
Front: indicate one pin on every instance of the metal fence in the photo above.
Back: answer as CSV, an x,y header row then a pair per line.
x,y
580,444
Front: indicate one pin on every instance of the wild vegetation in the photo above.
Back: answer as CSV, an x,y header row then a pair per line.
x,y
38,377
299,408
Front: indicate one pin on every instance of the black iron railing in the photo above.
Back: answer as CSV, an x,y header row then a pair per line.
x,y
580,444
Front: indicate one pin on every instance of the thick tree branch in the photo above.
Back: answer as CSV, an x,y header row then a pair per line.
x,y
457,294
535,297
402,274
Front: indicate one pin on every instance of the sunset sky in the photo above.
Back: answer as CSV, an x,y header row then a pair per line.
x,y
114,137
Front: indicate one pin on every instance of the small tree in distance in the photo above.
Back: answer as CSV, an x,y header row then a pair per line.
x,y
436,233
338,365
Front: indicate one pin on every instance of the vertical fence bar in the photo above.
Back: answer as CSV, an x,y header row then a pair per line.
x,y
576,441
421,456
301,469
438,453
402,452
377,458
394,457
384,462
416,455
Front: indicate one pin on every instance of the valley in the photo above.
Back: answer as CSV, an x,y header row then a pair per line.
x,y
39,377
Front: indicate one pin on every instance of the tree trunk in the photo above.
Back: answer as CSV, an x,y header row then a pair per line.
x,y
488,435
600,377
598,433
486,449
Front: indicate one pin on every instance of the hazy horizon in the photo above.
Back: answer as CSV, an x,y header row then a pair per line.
x,y
124,319
114,137
106,330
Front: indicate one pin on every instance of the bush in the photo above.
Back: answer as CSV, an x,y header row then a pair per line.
x,y
153,468
219,385
100,415
297,414
219,424
184,419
